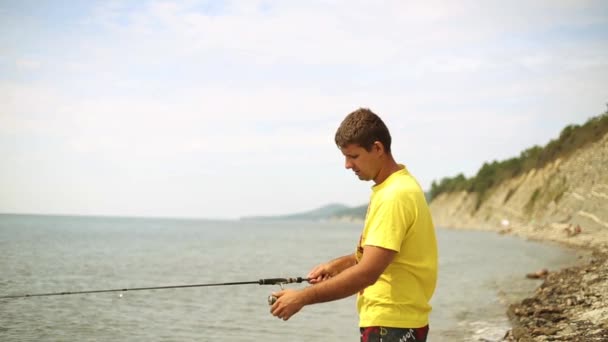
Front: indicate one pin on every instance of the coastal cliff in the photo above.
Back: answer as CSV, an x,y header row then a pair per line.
x,y
565,201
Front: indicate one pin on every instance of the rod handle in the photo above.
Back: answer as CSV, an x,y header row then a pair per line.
x,y
272,281
275,281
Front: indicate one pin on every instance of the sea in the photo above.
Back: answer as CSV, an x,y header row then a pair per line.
x,y
480,273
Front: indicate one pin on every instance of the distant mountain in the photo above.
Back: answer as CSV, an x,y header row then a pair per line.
x,y
327,212
354,212
333,211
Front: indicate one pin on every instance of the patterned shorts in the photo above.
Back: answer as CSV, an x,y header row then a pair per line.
x,y
384,334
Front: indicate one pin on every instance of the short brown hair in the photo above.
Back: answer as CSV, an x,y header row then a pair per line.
x,y
363,127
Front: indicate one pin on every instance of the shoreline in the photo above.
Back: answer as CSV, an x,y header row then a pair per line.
x,y
572,302
569,305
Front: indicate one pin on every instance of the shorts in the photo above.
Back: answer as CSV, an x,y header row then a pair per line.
x,y
386,334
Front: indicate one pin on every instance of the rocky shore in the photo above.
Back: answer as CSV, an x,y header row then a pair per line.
x,y
570,305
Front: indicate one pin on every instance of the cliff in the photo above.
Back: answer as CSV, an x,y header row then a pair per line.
x,y
565,201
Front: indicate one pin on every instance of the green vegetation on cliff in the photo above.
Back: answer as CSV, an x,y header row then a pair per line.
x,y
491,174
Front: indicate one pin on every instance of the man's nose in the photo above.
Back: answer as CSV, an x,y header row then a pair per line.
x,y
348,164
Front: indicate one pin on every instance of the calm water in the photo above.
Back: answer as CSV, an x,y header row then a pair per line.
x,y
479,273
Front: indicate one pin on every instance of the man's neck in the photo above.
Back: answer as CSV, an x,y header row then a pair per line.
x,y
389,167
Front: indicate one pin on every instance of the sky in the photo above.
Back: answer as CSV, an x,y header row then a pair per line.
x,y
224,109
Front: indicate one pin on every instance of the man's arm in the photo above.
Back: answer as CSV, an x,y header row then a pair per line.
x,y
348,282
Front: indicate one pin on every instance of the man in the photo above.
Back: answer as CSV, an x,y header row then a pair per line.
x,y
394,269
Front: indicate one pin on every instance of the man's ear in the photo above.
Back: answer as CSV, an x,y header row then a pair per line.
x,y
378,147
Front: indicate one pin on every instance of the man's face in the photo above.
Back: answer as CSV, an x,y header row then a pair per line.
x,y
365,164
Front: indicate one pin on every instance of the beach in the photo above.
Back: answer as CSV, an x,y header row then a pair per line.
x,y
571,304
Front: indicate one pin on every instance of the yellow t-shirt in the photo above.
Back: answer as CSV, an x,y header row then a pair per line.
x,y
398,218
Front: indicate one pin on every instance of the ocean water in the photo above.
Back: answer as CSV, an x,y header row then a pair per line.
x,y
479,273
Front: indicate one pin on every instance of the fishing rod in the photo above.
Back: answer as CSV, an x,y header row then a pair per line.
x,y
267,281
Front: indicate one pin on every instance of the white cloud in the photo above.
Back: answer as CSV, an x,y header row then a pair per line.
x,y
170,97
27,64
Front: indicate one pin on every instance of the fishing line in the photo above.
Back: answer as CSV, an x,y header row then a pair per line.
x,y
268,281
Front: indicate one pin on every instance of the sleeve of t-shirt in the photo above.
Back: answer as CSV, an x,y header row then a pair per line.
x,y
388,229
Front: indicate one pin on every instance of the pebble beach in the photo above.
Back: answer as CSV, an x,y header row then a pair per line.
x,y
572,303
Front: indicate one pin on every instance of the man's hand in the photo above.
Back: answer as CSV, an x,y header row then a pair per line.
x,y
331,269
348,278
288,303
320,273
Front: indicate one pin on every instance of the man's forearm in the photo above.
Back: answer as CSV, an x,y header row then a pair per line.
x,y
340,264
353,279
345,284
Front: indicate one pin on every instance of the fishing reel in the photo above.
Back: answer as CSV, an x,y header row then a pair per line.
x,y
280,281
